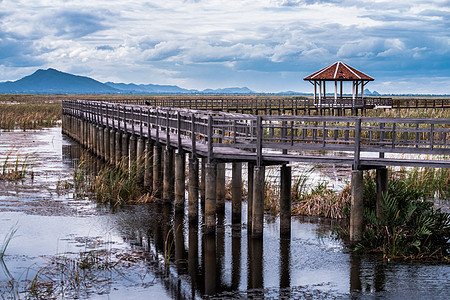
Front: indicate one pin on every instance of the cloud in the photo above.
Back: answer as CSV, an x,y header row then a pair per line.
x,y
75,24
236,42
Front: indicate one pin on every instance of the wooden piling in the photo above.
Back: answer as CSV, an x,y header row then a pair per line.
x,y
285,201
236,193
125,148
356,210
258,202
250,175
106,144
133,149
180,178
202,181
157,171
168,175
140,159
210,201
118,147
148,162
220,190
193,190
112,146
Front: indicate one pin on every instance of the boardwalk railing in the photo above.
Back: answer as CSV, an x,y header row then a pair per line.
x,y
360,141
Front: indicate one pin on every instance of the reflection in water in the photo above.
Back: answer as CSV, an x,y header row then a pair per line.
x,y
229,264
355,274
209,245
285,267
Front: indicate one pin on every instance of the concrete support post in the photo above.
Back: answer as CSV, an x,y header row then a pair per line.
x,y
125,148
169,178
92,138
220,190
250,174
236,193
258,202
382,187
157,172
82,138
133,149
97,140
285,201
118,147
210,201
112,146
202,181
140,159
180,179
356,211
148,172
193,190
106,143
101,143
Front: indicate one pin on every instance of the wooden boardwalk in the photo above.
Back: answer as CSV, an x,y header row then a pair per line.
x,y
226,137
134,133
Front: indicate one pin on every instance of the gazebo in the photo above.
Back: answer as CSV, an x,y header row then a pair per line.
x,y
338,73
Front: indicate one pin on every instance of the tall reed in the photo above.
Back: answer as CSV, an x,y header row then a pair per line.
x,y
16,169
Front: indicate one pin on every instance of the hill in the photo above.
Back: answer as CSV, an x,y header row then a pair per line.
x,y
52,81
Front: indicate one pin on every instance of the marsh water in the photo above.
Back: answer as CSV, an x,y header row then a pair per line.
x,y
170,259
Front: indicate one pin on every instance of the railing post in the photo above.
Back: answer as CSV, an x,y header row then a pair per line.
x,y
356,161
259,133
210,139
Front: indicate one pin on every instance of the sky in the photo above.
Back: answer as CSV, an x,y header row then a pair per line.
x,y
265,45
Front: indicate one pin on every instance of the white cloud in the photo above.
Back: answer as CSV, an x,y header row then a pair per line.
x,y
179,40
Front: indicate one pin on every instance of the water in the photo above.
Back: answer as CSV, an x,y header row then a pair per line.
x,y
312,264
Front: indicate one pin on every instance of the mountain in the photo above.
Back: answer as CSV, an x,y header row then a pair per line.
x,y
367,92
52,81
149,88
232,90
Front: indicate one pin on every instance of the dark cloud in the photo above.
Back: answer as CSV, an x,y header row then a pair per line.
x,y
293,3
76,24
105,48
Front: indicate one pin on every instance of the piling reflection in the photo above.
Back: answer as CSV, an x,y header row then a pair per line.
x,y
355,274
210,269
285,264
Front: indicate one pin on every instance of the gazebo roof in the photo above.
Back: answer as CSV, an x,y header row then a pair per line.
x,y
338,71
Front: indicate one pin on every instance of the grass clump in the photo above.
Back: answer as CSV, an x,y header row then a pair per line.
x,y
110,184
14,169
408,226
118,184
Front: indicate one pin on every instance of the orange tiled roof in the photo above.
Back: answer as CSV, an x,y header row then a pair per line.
x,y
338,71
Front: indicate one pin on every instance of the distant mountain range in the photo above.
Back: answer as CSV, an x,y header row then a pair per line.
x,y
52,81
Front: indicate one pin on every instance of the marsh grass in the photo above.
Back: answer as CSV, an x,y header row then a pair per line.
x,y
75,276
8,237
409,226
29,115
15,169
110,184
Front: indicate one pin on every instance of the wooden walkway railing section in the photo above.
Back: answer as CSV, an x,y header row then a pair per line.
x,y
289,105
220,137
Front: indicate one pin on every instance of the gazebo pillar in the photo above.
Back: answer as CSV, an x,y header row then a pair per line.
x,y
335,92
